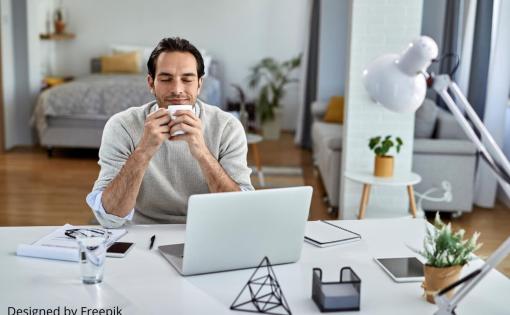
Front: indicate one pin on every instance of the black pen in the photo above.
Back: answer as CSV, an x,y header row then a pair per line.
x,y
153,238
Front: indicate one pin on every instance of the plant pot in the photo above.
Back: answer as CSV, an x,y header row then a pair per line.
x,y
383,166
271,129
60,27
437,279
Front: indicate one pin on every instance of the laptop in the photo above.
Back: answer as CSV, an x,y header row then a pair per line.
x,y
235,230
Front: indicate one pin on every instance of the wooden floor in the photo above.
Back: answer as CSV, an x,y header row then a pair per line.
x,y
35,190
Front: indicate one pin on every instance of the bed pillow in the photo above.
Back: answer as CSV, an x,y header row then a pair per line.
x,y
144,53
121,63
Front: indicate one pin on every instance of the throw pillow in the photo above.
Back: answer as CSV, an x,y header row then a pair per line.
x,y
425,119
123,63
144,53
335,111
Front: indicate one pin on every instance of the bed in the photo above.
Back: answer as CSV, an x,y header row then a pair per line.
x,y
73,115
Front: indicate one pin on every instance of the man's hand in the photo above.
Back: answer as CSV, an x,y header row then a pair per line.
x,y
193,134
155,131
217,179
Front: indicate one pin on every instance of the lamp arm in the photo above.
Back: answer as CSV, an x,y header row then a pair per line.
x,y
496,159
489,149
446,306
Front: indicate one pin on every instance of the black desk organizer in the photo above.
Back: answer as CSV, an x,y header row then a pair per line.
x,y
262,293
337,296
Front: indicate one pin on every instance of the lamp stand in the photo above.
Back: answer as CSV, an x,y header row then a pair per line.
x,y
496,159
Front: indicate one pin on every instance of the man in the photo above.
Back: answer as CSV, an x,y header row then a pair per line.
x,y
146,174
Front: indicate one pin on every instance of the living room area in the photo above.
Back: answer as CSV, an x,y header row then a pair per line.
x,y
324,111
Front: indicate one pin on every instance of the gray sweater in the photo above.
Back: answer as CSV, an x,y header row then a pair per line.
x,y
173,173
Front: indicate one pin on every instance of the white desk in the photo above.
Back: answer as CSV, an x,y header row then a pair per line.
x,y
144,283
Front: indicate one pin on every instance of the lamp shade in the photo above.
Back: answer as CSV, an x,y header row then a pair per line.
x,y
396,81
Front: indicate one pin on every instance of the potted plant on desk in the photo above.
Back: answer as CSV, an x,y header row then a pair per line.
x,y
446,253
383,164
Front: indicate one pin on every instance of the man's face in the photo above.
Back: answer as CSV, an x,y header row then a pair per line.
x,y
176,79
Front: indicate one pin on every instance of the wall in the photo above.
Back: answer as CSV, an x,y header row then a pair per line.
x,y
376,28
237,33
7,71
18,93
432,24
21,66
332,48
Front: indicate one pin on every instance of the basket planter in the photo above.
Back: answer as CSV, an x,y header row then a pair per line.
x,y
437,279
383,166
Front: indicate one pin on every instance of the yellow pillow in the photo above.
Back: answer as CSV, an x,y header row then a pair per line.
x,y
125,63
335,111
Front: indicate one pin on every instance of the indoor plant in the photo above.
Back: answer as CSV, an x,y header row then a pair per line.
x,y
446,253
272,77
60,24
383,165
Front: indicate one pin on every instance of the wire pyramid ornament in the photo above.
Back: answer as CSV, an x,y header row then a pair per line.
x,y
262,293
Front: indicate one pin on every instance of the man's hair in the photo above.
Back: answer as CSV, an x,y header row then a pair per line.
x,y
171,44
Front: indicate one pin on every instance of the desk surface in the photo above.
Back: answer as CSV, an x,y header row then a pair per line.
x,y
144,283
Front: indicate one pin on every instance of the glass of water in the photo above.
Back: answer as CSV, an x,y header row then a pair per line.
x,y
92,251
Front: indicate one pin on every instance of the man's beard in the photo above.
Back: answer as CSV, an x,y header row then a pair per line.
x,y
165,102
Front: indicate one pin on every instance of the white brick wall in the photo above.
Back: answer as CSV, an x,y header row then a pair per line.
x,y
377,27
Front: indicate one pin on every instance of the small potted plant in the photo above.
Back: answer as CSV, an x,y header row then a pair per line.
x,y
273,77
60,24
383,165
446,253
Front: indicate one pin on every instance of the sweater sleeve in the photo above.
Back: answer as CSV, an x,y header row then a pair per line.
x,y
116,147
233,153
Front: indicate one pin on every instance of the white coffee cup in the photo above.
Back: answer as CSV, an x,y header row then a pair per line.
x,y
171,111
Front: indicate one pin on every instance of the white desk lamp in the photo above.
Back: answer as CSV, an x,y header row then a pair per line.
x,y
399,83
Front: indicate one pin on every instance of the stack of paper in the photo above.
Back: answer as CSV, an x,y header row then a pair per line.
x,y
57,245
324,234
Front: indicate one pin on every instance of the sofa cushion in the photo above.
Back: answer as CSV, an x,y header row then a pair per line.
x,y
425,119
328,133
318,109
444,146
448,127
335,110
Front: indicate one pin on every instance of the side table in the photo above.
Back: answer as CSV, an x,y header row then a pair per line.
x,y
368,179
252,140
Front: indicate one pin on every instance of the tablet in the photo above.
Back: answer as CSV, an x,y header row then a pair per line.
x,y
402,269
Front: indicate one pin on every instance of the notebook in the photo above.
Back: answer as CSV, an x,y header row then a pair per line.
x,y
57,245
324,234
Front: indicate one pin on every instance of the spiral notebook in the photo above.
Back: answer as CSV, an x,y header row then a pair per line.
x,y
324,234
57,245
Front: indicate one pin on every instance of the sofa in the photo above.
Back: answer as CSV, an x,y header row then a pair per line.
x,y
441,153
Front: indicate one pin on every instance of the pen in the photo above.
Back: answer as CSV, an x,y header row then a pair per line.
x,y
153,238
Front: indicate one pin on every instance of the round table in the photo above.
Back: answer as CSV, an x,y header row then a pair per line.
x,y
252,140
368,179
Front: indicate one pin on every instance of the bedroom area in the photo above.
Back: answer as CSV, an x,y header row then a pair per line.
x,y
68,66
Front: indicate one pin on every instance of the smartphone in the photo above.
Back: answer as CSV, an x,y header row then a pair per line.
x,y
119,249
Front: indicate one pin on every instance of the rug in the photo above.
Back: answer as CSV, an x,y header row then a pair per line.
x,y
278,177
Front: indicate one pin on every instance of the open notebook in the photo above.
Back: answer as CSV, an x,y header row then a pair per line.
x,y
57,245
324,234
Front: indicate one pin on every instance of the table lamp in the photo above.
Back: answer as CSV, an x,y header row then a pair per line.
x,y
399,83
